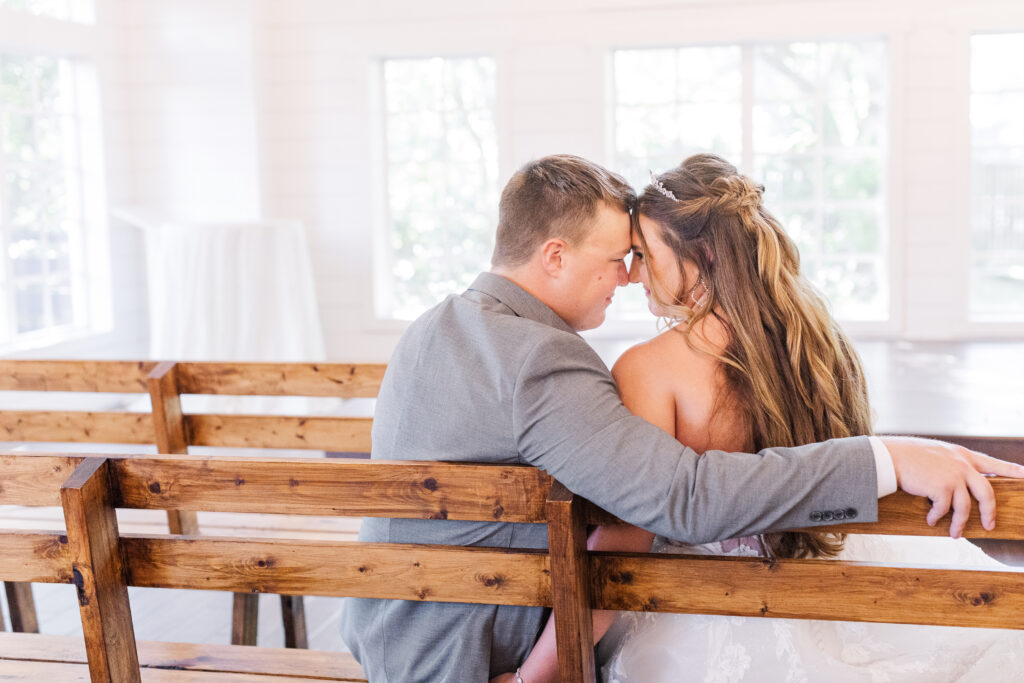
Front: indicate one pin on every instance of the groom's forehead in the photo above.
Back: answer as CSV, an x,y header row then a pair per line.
x,y
610,228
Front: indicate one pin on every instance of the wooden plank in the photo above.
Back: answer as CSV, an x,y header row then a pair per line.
x,y
903,514
309,664
384,570
293,614
22,607
169,427
1003,447
34,480
98,573
351,488
35,557
215,523
807,589
33,672
340,380
351,434
76,426
574,624
127,377
245,611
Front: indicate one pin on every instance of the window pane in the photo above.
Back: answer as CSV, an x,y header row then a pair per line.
x,y
78,10
819,137
40,192
670,103
442,178
818,117
997,185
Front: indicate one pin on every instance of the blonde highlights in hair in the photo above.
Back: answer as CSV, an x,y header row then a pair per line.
x,y
789,369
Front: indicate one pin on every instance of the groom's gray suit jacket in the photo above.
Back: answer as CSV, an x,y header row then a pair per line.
x,y
494,375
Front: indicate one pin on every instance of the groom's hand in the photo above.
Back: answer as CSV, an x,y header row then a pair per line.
x,y
948,475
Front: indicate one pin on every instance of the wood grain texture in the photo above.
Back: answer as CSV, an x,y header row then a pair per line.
x,y
1003,447
34,480
807,589
245,612
76,426
22,606
169,427
350,434
189,657
98,573
382,570
293,614
570,579
340,380
128,377
34,672
903,514
36,557
353,488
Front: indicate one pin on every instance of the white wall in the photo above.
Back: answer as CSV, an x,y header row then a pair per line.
x,y
228,109
317,114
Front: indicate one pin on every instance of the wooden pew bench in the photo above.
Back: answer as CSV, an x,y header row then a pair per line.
x,y
102,562
172,431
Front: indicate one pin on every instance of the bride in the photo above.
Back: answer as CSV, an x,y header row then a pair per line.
x,y
753,359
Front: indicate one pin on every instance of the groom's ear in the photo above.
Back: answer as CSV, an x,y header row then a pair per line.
x,y
552,256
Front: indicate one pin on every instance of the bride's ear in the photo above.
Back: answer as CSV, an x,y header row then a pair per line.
x,y
552,256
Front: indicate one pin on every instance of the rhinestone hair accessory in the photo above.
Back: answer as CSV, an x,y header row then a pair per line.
x,y
656,184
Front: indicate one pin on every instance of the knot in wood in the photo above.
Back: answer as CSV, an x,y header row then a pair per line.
x,y
496,581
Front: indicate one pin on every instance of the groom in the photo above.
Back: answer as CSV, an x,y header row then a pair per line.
x,y
498,374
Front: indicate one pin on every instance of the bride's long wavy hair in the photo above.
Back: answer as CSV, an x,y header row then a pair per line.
x,y
789,369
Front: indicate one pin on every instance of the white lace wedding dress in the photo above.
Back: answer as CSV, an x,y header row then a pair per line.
x,y
659,648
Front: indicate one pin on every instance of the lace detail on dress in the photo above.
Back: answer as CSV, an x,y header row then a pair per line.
x,y
667,648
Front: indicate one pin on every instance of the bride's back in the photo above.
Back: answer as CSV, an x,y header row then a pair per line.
x,y
757,360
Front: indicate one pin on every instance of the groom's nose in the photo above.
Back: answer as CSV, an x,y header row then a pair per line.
x,y
623,275
634,270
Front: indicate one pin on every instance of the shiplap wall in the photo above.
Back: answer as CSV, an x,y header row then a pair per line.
x,y
228,109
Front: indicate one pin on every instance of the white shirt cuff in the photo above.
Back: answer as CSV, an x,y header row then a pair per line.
x,y
884,468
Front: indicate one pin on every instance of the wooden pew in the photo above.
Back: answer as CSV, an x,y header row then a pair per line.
x,y
177,431
102,562
173,432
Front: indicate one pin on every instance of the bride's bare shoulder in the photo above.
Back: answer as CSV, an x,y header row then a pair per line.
x,y
668,358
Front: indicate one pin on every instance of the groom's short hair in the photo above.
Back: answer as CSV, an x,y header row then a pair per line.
x,y
553,197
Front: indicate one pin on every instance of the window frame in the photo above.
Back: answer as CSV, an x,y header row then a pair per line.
x,y
379,316
82,46
892,165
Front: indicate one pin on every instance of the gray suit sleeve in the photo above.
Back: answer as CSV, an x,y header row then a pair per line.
x,y
570,422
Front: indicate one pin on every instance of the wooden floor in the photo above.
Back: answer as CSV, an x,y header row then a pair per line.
x,y
952,388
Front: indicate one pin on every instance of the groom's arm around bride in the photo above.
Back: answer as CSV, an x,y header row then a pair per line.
x,y
499,374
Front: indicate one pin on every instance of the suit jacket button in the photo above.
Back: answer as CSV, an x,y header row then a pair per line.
x,y
815,516
851,513
826,516
839,514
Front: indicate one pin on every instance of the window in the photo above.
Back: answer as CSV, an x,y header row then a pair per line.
x,y
50,191
442,180
807,119
997,180
74,10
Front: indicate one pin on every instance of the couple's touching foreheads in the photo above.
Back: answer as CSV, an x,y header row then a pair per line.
x,y
746,417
